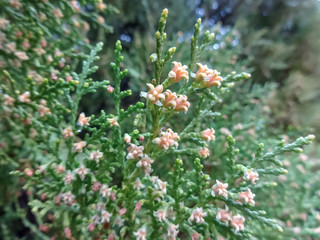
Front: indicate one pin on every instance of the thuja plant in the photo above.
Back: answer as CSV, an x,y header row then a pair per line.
x,y
40,42
138,173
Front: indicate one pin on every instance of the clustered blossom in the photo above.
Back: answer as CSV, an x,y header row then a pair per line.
x,y
169,99
173,231
154,94
251,176
96,155
8,101
43,109
161,185
137,184
105,191
141,233
197,215
25,97
160,215
236,221
69,178
105,216
134,151
182,104
224,215
83,120
204,152
67,133
82,171
145,163
178,72
167,139
113,121
247,197
207,77
208,134
220,189
68,198
77,147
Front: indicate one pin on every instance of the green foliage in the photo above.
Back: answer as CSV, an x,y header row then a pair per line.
x,y
186,163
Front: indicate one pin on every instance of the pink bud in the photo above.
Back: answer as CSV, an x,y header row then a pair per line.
x,y
67,233
138,206
113,196
141,138
123,211
111,237
110,88
44,228
91,227
18,34
28,172
43,196
43,43
96,186
68,78
26,44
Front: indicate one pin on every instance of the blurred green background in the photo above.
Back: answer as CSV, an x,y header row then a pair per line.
x,y
277,41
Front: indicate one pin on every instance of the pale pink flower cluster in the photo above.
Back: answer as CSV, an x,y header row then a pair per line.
x,y
173,231
127,138
177,102
105,216
67,233
43,109
251,176
3,23
16,4
167,139
137,184
219,189
105,191
21,55
208,134
110,89
113,121
8,101
134,151
96,155
224,215
69,178
82,171
160,215
77,147
154,94
160,185
10,47
178,72
67,133
207,77
247,197
145,163
83,120
204,152
25,97
35,76
236,221
182,104
68,198
197,215
141,233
